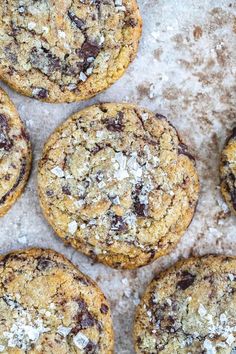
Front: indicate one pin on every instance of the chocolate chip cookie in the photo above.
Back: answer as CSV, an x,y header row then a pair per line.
x,y
48,306
116,182
66,50
190,308
228,171
15,154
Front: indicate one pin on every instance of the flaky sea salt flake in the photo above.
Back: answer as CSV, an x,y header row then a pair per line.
x,y
81,341
72,227
64,331
57,171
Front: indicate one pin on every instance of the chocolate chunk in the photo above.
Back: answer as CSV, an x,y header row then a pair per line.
x,y
88,49
118,224
115,124
5,142
10,54
76,20
183,150
40,92
3,122
83,281
91,348
187,279
84,320
104,309
66,190
131,23
44,263
49,193
95,149
24,134
139,208
44,60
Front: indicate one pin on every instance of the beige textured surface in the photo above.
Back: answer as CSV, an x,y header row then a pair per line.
x,y
190,308
48,306
66,50
116,183
190,79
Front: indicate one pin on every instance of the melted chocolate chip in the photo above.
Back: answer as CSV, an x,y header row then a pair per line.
x,y
3,122
49,193
10,54
76,20
104,309
118,224
88,49
40,92
115,124
5,142
44,263
139,208
186,281
81,280
131,23
66,190
183,150
44,60
99,176
95,149
90,348
83,317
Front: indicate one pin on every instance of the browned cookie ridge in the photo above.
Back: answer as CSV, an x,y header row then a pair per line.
x,y
189,309
48,306
228,171
116,183
66,50
15,154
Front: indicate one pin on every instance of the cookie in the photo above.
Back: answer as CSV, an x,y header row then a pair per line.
x,y
48,306
15,154
116,182
190,308
228,171
66,50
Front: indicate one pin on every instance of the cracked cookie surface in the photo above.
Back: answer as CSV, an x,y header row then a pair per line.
x,y
15,154
189,309
48,306
228,171
116,183
69,50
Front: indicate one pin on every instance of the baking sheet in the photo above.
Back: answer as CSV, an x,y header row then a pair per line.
x,y
186,70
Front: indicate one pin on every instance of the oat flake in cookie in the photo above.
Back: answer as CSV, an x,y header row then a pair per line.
x,y
66,50
15,154
228,171
117,184
190,308
48,306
